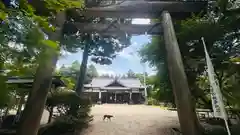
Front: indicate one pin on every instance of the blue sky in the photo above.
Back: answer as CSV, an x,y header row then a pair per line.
x,y
126,59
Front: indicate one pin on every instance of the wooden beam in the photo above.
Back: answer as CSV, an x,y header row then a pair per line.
x,y
147,9
185,105
134,29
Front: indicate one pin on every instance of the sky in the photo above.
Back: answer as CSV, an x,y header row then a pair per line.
x,y
127,59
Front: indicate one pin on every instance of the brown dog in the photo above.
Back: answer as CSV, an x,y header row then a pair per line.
x,y
107,116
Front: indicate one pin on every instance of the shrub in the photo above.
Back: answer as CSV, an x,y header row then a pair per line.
x,y
220,129
152,101
73,113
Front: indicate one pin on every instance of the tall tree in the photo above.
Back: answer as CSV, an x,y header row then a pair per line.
x,y
48,20
39,18
92,71
102,49
70,73
38,96
75,66
131,74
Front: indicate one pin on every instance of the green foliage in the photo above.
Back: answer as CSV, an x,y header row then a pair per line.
x,y
67,121
221,32
25,42
154,53
152,101
70,73
131,74
60,5
4,93
2,15
28,28
62,97
69,81
50,43
20,67
102,49
220,130
75,66
92,71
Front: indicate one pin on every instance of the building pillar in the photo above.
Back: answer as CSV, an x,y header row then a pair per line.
x,y
130,98
140,97
115,98
99,97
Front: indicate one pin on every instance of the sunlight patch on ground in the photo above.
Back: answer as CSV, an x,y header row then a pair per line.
x,y
161,107
140,21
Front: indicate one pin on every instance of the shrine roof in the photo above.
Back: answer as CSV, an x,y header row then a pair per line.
x,y
29,80
107,82
115,88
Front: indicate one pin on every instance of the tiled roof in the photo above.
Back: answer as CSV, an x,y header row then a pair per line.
x,y
127,82
115,88
29,80
131,82
100,82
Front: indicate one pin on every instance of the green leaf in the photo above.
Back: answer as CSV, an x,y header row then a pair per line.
x,y
3,15
27,8
51,44
43,22
58,5
2,6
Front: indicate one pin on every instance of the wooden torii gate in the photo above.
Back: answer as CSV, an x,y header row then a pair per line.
x,y
155,9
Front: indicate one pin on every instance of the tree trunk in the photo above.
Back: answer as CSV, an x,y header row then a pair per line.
x,y
186,111
50,114
6,112
21,102
32,114
83,69
81,78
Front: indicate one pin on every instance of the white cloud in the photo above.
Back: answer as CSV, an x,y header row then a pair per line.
x,y
58,66
105,69
130,54
125,54
65,53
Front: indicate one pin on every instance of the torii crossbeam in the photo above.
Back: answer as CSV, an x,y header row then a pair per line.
x,y
119,29
147,9
138,9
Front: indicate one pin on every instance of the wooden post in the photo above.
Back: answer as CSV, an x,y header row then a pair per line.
x,y
186,111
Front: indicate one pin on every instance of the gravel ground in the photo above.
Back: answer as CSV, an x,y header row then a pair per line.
x,y
131,120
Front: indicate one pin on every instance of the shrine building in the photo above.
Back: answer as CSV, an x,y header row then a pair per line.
x,y
115,90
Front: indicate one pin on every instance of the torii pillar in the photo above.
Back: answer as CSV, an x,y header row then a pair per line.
x,y
186,112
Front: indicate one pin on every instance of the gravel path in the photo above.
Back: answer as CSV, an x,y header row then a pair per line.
x,y
131,120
